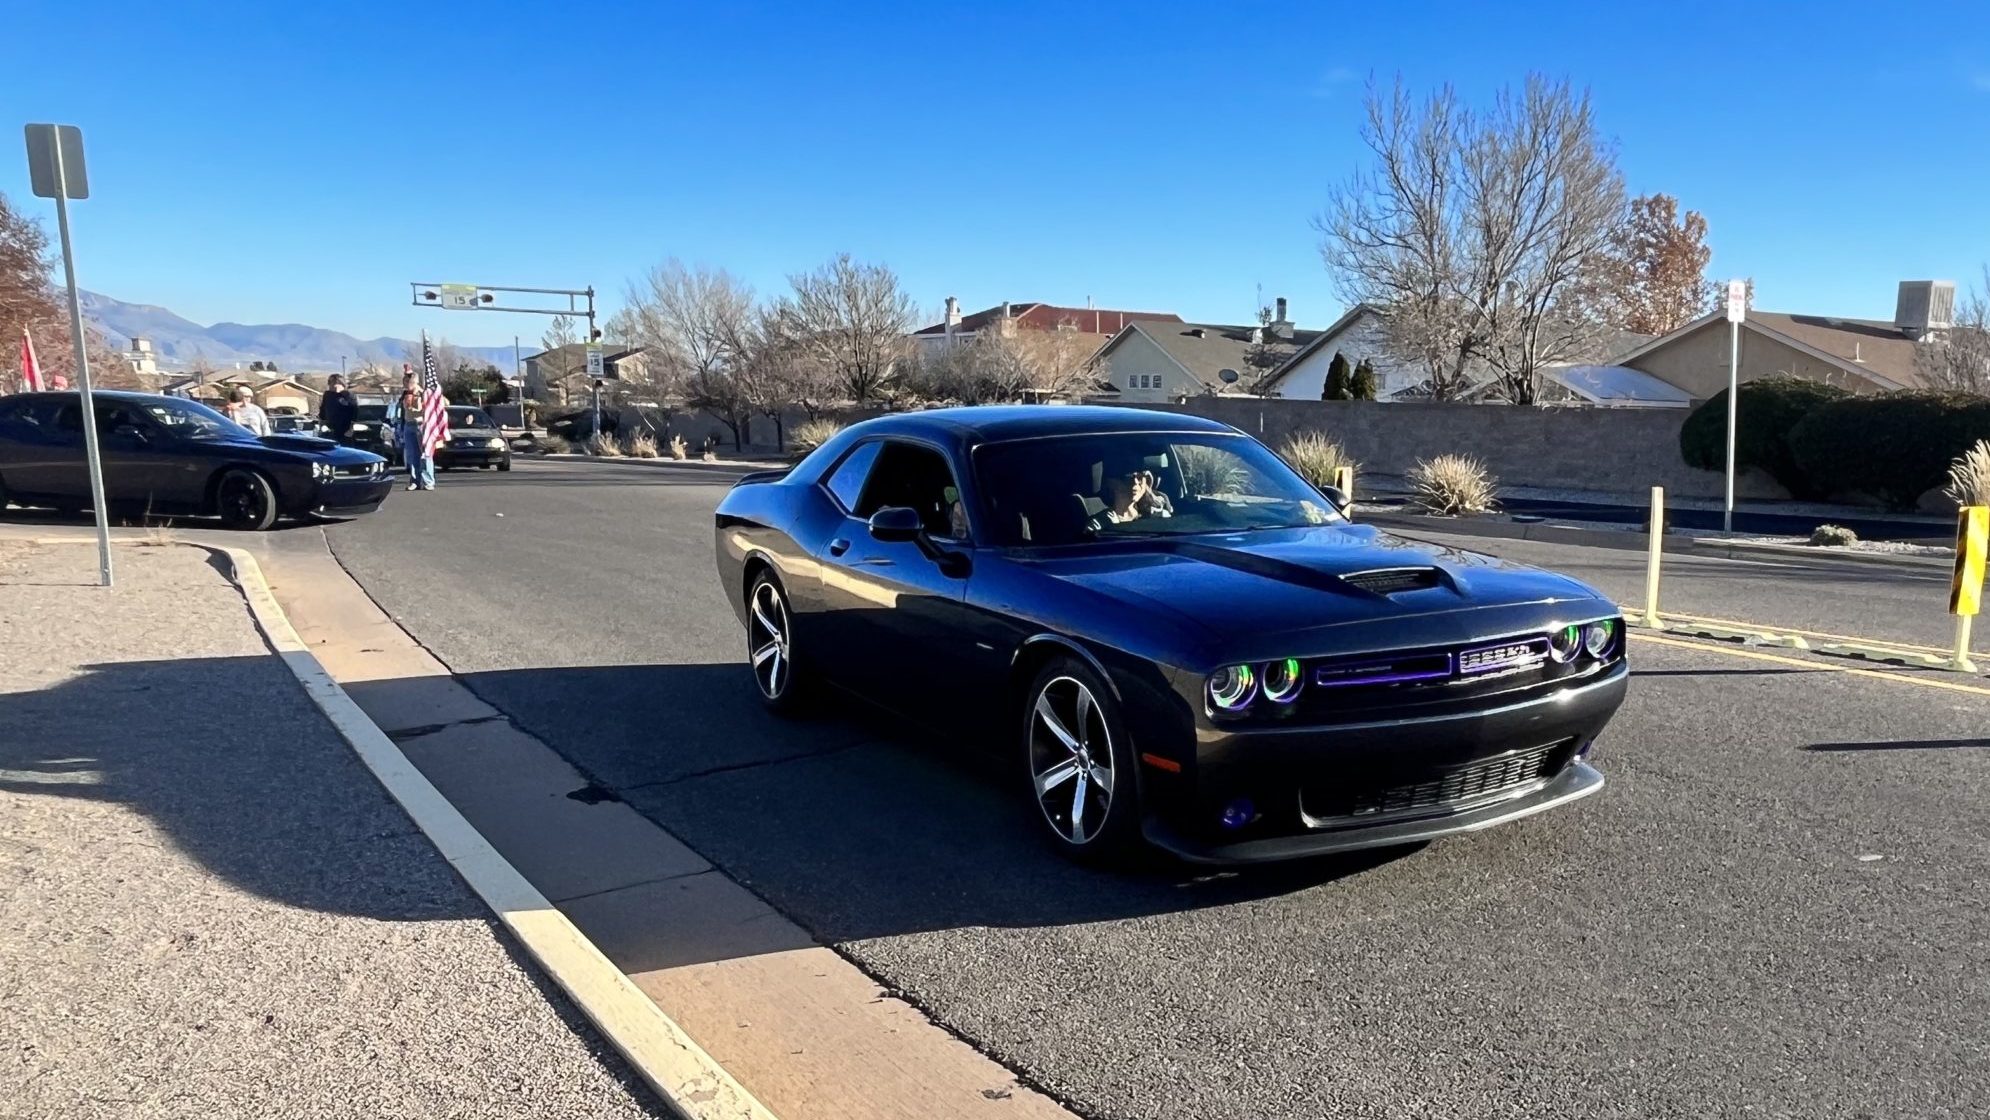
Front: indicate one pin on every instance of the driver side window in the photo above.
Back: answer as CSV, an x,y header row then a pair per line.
x,y
909,475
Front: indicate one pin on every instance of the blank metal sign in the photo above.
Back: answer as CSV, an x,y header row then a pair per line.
x,y
44,141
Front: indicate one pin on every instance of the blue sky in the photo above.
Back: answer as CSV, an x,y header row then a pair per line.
x,y
301,163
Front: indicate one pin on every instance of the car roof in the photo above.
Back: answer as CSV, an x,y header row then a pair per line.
x,y
991,423
106,394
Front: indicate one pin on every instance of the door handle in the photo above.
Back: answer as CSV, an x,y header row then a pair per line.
x,y
838,547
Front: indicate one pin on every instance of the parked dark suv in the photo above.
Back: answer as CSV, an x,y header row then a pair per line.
x,y
372,432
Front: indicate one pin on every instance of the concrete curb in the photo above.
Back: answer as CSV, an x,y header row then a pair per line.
x,y
1513,530
692,464
682,1073
1749,551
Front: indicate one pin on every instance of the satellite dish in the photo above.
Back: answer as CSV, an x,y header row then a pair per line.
x,y
1227,376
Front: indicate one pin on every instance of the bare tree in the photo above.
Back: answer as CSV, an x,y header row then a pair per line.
x,y
1480,235
1655,278
703,331
27,299
1958,358
851,317
561,368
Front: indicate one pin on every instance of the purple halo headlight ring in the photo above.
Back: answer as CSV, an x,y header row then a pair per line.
x,y
1565,643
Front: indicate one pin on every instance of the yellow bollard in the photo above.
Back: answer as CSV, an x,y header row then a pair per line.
x,y
1972,544
1344,481
1656,529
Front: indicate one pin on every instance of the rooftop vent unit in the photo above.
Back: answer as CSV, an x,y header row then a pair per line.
x,y
1923,306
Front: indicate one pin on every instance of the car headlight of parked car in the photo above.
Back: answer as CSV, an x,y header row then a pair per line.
x,y
1282,680
321,471
494,443
1600,638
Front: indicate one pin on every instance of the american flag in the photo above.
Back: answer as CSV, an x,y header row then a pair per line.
x,y
434,409
30,369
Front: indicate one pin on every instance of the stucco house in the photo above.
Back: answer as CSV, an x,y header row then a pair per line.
x,y
1151,361
1355,335
956,329
1862,355
547,367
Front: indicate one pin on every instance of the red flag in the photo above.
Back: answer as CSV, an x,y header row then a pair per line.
x,y
30,369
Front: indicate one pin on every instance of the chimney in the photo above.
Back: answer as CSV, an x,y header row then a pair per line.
x,y
953,313
1924,306
1005,309
1281,326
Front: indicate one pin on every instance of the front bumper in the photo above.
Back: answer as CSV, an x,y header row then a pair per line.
x,y
1275,769
350,497
451,456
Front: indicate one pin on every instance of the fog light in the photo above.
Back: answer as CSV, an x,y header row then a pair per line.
x,y
1598,637
1239,813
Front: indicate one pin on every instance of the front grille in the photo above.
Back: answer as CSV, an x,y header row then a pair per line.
x,y
1389,581
1450,790
361,470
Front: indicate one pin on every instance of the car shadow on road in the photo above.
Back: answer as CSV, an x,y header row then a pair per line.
x,y
1902,745
230,761
852,822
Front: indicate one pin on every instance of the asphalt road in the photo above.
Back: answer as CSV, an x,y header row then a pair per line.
x,y
1776,908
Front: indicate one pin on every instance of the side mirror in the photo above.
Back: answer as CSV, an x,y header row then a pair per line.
x,y
897,523
1338,497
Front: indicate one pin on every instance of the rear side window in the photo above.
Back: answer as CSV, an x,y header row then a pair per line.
x,y
846,482
23,417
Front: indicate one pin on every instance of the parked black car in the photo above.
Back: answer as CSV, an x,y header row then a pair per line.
x,y
474,441
371,431
1172,633
169,455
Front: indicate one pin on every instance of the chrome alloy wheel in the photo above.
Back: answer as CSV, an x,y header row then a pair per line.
x,y
1071,759
767,640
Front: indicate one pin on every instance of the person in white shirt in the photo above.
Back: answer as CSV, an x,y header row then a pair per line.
x,y
1132,496
243,409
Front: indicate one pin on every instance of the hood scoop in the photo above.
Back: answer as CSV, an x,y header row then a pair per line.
x,y
1390,581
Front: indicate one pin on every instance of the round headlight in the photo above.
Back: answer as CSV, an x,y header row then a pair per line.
x,y
1598,637
1282,680
1565,643
1232,687
494,442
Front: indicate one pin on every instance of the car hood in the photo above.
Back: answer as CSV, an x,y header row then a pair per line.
x,y
310,447
1285,583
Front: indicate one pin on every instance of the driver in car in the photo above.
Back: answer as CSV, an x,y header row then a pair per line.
x,y
1131,496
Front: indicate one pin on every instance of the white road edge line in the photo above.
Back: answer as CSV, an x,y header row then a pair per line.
x,y
689,1080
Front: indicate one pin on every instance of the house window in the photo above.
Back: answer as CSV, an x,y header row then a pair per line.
x,y
1144,381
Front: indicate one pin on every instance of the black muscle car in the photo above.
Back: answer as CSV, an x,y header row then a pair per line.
x,y
169,455
1174,635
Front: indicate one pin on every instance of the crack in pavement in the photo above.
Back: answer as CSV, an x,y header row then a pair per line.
x,y
402,735
860,741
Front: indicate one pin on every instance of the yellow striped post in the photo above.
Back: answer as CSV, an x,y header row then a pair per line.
x,y
1972,546
1656,546
1344,480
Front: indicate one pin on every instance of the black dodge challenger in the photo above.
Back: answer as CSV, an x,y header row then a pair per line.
x,y
1174,635
171,455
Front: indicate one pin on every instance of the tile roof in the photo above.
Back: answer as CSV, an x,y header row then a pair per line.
x,y
1047,316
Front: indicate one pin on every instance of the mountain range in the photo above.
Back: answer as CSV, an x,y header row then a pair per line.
x,y
294,347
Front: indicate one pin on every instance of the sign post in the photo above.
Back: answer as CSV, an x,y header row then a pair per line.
x,y
1972,547
1737,307
56,170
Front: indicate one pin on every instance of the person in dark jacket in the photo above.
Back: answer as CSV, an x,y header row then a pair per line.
x,y
338,409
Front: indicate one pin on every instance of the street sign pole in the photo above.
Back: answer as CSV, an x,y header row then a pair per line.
x,y
1737,301
47,146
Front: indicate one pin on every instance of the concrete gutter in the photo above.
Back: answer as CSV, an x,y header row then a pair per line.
x,y
1750,550
687,1078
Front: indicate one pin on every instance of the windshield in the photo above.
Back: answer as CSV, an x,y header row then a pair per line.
x,y
469,418
1068,489
193,420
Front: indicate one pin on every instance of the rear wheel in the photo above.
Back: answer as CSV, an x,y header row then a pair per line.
x,y
245,500
770,648
506,465
1079,764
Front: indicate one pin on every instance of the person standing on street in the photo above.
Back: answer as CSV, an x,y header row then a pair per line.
x,y
338,409
406,416
242,408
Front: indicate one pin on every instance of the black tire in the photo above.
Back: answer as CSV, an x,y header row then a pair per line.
x,y
506,465
770,650
245,500
1062,767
